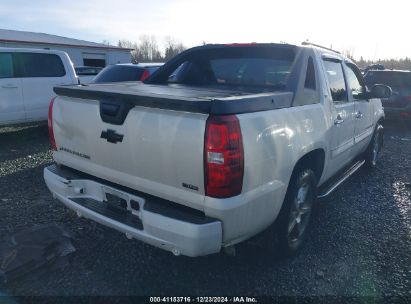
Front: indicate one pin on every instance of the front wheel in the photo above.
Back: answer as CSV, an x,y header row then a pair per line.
x,y
372,153
295,215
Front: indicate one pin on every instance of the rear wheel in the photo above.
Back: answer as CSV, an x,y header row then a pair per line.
x,y
372,153
295,215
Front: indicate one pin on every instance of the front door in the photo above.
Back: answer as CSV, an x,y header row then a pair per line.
x,y
363,115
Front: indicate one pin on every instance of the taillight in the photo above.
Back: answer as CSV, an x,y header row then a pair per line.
x,y
50,125
223,157
409,97
145,75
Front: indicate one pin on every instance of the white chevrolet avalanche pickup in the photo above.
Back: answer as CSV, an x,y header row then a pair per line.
x,y
219,144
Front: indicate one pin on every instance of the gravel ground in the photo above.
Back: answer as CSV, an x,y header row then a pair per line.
x,y
359,244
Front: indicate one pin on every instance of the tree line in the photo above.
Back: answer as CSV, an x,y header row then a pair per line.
x,y
146,49
396,64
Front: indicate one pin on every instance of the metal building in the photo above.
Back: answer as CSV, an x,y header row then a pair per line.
x,y
82,53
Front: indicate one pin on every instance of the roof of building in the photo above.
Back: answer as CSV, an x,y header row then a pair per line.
x,y
47,39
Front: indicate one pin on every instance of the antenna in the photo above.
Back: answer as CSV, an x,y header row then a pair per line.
x,y
320,46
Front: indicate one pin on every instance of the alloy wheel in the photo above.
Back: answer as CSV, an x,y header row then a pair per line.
x,y
300,214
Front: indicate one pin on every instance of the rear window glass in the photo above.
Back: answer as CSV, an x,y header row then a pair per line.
x,y
39,65
117,73
87,71
6,65
259,67
389,78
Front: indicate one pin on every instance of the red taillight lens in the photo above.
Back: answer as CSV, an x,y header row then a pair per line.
x,y
223,157
409,97
50,125
145,75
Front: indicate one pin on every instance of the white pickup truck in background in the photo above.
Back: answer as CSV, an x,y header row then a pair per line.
x,y
27,78
217,145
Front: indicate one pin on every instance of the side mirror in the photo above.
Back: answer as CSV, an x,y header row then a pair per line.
x,y
380,91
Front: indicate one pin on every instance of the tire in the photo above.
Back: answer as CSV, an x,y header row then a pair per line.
x,y
296,213
374,148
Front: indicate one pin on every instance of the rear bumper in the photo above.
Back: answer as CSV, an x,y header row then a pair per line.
x,y
155,221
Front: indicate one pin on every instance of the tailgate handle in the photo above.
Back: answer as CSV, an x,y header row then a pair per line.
x,y
109,109
114,112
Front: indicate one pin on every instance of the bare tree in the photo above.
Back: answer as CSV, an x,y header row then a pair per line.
x,y
349,53
130,45
147,49
172,47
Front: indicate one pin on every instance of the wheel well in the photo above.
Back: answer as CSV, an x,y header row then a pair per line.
x,y
313,160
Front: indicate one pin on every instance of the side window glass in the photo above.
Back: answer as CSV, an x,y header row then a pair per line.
x,y
354,83
40,65
310,75
6,65
336,80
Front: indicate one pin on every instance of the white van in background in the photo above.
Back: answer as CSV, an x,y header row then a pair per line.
x,y
27,78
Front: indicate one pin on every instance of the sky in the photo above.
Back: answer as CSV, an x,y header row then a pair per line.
x,y
371,29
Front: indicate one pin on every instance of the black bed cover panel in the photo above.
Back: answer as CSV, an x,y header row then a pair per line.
x,y
181,97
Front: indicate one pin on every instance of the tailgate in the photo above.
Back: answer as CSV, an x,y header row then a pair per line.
x,y
156,151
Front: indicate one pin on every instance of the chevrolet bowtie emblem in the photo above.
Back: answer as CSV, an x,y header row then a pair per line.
x,y
112,136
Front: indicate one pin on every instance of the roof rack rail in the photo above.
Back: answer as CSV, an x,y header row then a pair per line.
x,y
320,46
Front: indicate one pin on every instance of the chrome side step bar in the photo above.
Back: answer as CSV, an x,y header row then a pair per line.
x,y
335,184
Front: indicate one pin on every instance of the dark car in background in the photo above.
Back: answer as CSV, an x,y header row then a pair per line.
x,y
126,72
86,73
87,70
398,106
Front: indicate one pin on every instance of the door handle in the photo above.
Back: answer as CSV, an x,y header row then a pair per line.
x,y
338,121
359,115
9,86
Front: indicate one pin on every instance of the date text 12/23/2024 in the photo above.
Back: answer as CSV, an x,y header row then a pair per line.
x,y
238,299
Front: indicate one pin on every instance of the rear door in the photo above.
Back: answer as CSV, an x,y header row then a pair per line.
x,y
342,130
11,94
40,72
363,108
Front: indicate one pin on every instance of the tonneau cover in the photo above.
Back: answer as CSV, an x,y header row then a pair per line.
x,y
181,97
